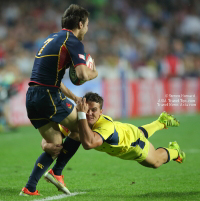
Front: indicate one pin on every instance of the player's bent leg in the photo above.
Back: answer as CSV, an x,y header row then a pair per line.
x,y
71,121
51,133
149,129
155,158
70,146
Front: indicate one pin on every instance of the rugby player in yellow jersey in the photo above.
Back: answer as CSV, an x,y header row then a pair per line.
x,y
121,140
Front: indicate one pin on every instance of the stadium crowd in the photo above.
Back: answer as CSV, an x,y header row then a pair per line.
x,y
149,39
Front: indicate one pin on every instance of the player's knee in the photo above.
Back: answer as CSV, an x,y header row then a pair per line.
x,y
57,141
156,165
86,146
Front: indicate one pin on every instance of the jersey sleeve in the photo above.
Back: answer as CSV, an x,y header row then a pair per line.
x,y
77,54
104,128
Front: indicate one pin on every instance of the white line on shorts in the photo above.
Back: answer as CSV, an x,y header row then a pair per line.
x,y
57,197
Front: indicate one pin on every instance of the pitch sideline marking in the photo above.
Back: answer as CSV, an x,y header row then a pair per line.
x,y
56,197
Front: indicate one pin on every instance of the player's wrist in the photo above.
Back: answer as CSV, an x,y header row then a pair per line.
x,y
81,115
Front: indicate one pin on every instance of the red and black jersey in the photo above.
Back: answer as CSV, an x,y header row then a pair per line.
x,y
59,51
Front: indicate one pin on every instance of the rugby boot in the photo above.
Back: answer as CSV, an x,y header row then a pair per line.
x,y
168,120
26,192
181,154
57,180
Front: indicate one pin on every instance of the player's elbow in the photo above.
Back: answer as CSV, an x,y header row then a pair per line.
x,y
156,165
87,146
82,75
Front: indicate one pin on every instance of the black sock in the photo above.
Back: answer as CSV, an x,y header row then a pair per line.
x,y
41,165
70,147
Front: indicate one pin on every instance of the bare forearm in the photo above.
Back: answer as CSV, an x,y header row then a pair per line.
x,y
89,139
86,134
67,92
86,74
90,74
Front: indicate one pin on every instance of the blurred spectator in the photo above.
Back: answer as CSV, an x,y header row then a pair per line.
x,y
2,57
171,66
11,14
178,48
24,62
147,40
190,25
149,35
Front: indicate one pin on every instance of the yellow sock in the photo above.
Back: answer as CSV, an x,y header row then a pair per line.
x,y
173,153
153,127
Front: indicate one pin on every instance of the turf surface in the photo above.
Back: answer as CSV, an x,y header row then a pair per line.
x,y
101,176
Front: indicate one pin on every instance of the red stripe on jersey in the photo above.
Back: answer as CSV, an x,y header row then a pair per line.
x,y
79,64
63,57
68,30
44,84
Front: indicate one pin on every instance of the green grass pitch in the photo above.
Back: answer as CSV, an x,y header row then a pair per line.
x,y
103,177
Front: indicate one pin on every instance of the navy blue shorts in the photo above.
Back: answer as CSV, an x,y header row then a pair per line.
x,y
45,104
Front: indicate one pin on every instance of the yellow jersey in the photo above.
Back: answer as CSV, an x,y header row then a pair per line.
x,y
121,139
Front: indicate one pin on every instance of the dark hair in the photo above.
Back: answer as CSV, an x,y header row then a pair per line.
x,y
94,97
73,15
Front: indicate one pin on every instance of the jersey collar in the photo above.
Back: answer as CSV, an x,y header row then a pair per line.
x,y
97,121
68,30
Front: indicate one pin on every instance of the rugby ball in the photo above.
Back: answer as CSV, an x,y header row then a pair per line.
x,y
72,72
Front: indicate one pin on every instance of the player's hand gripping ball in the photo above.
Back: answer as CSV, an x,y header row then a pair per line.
x,y
72,72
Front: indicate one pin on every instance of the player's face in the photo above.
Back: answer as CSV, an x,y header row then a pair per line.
x,y
94,112
83,30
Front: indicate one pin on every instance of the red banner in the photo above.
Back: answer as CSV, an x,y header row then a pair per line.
x,y
151,97
17,106
130,98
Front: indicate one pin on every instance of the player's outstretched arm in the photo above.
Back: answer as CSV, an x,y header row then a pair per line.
x,y
84,73
89,139
68,93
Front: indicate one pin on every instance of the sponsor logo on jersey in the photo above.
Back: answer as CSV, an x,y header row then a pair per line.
x,y
81,56
69,105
